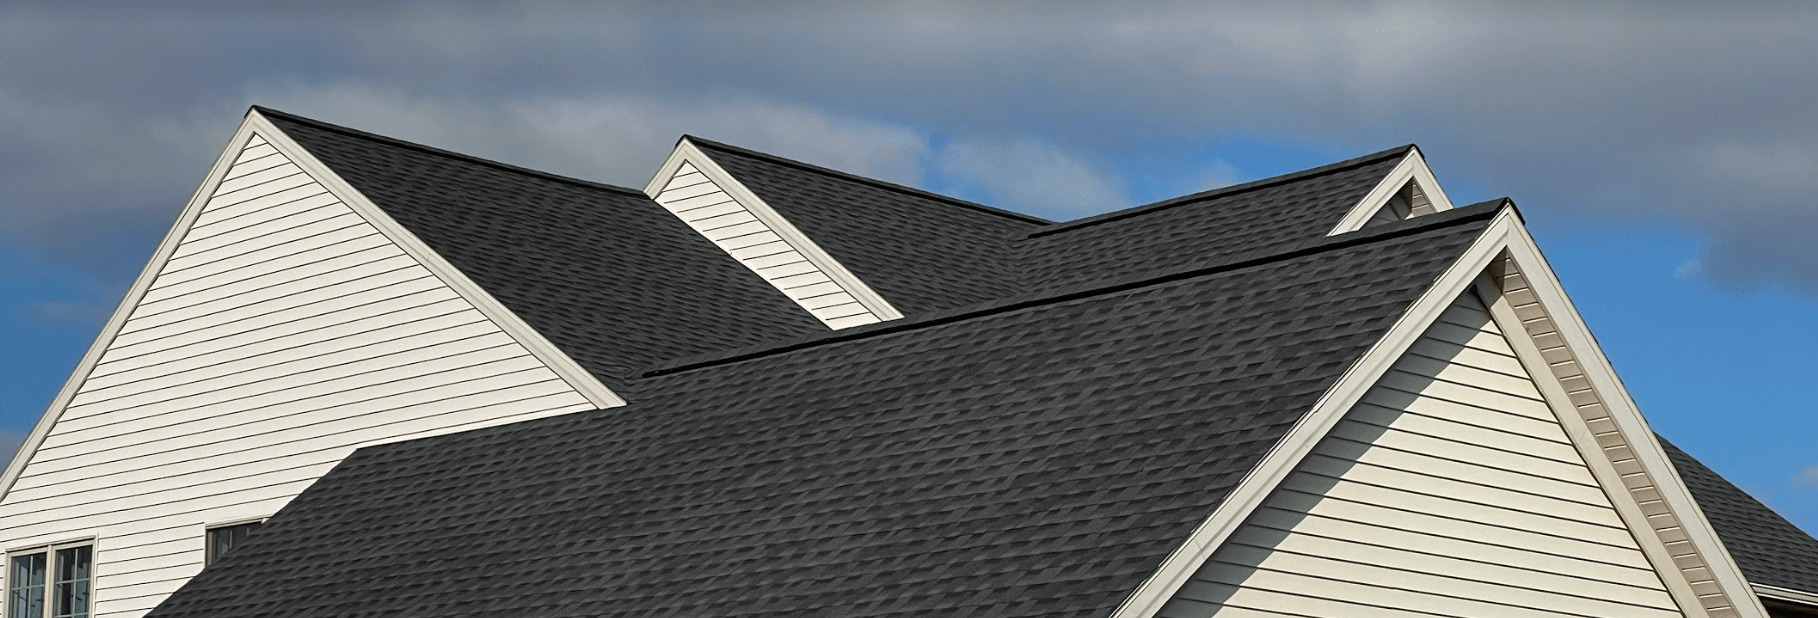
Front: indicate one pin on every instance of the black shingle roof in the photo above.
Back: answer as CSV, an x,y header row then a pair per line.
x,y
1770,550
1020,459
604,272
919,250
1232,220
926,252
1063,403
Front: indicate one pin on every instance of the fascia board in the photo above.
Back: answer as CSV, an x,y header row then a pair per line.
x,y
1585,442
688,152
1412,167
115,322
1622,409
539,346
1281,459
1787,595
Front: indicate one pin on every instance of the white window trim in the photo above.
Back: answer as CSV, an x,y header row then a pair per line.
x,y
50,571
1413,167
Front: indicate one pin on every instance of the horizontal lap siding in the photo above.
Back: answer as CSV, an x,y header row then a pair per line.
x,y
284,332
708,209
1451,490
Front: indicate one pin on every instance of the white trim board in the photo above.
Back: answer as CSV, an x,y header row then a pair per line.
x,y
1505,238
1413,168
714,191
1785,595
558,361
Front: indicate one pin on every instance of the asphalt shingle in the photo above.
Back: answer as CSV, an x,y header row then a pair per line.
x,y
1769,549
921,251
1024,459
604,272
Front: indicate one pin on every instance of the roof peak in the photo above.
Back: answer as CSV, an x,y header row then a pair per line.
x,y
392,141
1135,211
882,184
1457,216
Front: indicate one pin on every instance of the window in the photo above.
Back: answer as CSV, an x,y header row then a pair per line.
x,y
224,538
52,582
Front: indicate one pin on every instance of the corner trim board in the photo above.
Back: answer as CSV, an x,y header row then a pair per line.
x,y
1412,167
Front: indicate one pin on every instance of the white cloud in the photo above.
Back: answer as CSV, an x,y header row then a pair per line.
x,y
1809,476
1023,174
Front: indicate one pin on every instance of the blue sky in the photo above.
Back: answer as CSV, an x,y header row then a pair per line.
x,y
1664,155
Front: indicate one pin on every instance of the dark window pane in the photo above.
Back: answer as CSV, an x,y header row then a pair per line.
x,y
220,540
70,593
25,597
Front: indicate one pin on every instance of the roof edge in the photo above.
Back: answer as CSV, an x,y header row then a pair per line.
x,y
882,184
392,141
1457,216
1253,185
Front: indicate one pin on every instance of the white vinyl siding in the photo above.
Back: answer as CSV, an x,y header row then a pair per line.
x,y
284,332
713,212
1450,490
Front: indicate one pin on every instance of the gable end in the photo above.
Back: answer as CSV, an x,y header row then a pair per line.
x,y
697,191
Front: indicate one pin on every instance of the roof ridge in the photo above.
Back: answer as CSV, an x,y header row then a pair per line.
x,y
392,141
1253,185
1448,218
882,184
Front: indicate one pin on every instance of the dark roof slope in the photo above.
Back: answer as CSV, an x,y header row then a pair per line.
x,y
604,272
925,252
1770,550
1228,221
1025,459
921,251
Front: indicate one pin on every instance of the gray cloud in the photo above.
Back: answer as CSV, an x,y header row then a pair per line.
x,y
1027,174
1581,112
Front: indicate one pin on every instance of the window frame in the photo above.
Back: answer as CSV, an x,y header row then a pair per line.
x,y
49,550
208,531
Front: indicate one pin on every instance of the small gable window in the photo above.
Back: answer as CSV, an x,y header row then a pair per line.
x,y
50,582
222,539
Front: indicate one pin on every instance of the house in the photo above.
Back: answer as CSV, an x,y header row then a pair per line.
x,y
394,380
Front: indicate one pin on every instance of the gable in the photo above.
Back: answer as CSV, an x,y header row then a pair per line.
x,y
1450,489
698,192
1409,190
279,328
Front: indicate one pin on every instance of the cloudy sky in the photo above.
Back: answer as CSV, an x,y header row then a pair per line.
x,y
1666,157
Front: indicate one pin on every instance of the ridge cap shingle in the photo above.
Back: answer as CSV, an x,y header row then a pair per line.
x,y
882,184
1109,285
392,141
1136,211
